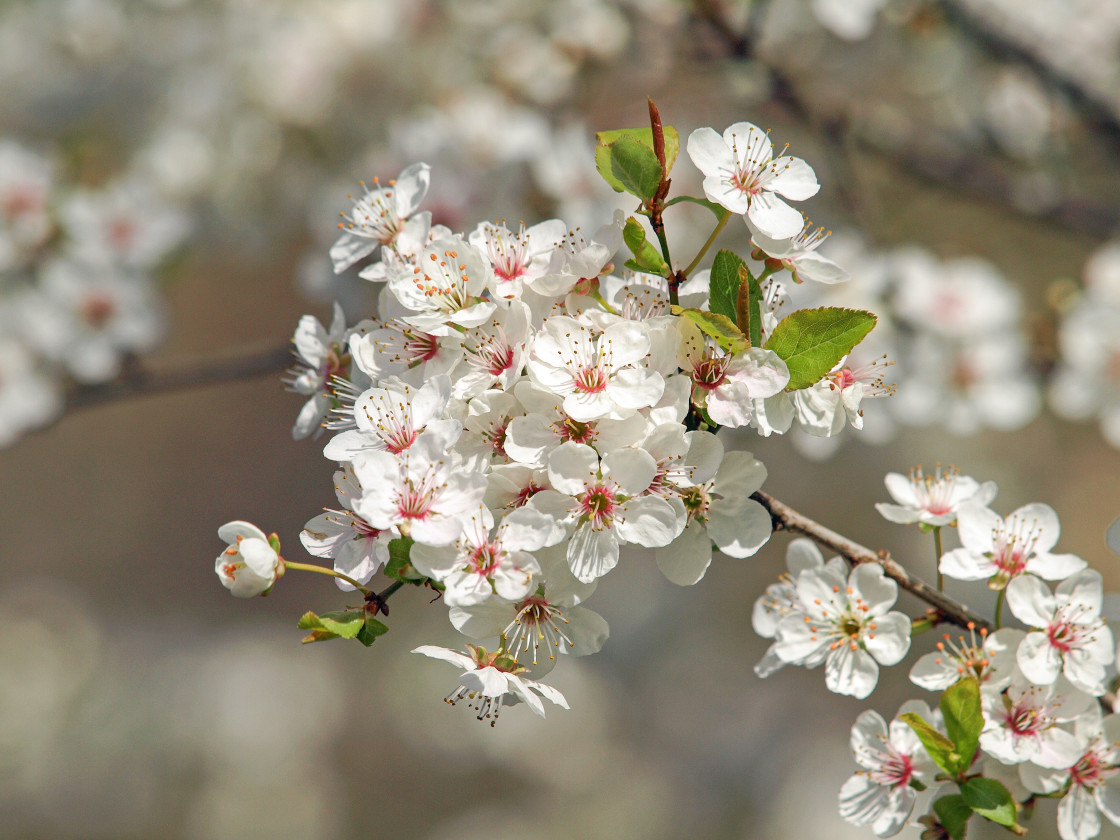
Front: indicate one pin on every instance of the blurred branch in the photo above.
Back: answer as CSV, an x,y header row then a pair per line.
x,y
786,518
137,380
1100,114
965,171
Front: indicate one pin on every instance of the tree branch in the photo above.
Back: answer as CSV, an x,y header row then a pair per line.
x,y
786,518
139,381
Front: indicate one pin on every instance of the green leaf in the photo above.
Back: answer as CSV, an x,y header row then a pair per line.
x,y
635,167
940,748
718,209
812,341
646,257
719,327
644,136
960,706
370,631
991,800
953,813
399,551
345,624
728,270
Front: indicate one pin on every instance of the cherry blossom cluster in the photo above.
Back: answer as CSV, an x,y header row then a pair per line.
x,y
520,410
1037,728
77,295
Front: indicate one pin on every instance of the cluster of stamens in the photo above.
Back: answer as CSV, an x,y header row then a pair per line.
x,y
969,654
537,622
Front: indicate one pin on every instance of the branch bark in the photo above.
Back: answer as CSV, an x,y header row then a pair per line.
x,y
786,518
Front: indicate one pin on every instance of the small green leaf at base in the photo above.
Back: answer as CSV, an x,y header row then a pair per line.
x,y
345,624
727,277
991,800
953,813
646,256
719,327
812,341
960,706
718,210
370,631
940,748
399,565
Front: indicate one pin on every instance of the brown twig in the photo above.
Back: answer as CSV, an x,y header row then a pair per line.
x,y
786,518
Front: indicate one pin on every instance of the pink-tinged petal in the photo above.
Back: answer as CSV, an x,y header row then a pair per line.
x,y
890,641
730,405
1078,816
796,179
817,269
976,525
1039,661
709,152
685,560
239,528
572,467
720,190
1031,601
853,673
1055,566
739,527
591,553
773,216
453,656
962,564
649,521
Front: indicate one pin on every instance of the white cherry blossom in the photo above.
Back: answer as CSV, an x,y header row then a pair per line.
x,y
320,357
489,678
248,567
742,174
1068,635
1023,722
444,288
991,660
999,549
382,217
881,795
799,256
932,499
516,259
847,625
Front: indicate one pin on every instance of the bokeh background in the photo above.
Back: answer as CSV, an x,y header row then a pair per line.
x,y
137,699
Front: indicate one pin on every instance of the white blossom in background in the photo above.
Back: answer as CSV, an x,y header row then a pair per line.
x,y
742,174
26,184
998,549
880,794
1068,635
932,499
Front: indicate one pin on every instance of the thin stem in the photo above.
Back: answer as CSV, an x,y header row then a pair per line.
x,y
937,559
704,248
390,589
323,570
785,518
597,296
999,608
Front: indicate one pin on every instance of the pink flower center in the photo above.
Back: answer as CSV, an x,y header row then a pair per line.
x,y
591,380
895,771
576,431
485,559
710,371
598,504
97,309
